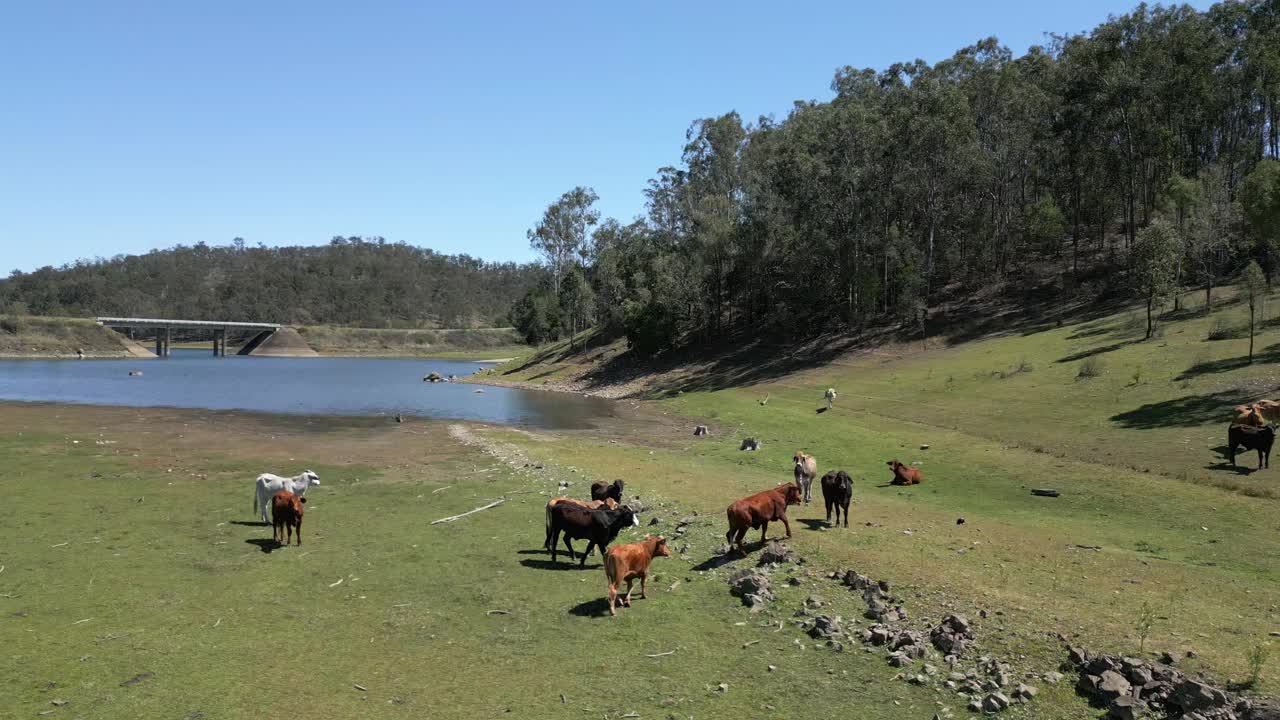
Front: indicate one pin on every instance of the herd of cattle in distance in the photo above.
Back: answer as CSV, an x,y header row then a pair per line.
x,y
1249,430
600,519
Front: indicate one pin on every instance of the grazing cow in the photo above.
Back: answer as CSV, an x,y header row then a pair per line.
x,y
631,561
598,527
806,469
601,490
905,474
286,516
1252,438
830,395
837,491
757,511
267,485
588,504
1250,415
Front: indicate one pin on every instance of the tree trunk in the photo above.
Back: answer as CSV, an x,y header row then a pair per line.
x,y
1251,332
1150,303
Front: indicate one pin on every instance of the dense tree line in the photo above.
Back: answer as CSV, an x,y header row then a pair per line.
x,y
350,281
963,173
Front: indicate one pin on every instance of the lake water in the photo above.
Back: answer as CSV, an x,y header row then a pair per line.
x,y
309,386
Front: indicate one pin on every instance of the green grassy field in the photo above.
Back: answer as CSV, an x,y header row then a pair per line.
x,y
30,336
135,582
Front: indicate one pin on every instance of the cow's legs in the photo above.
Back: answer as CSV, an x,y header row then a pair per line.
x,y
829,503
555,541
590,544
846,515
1259,458
764,532
613,597
626,601
737,540
572,557
787,525
299,531
642,579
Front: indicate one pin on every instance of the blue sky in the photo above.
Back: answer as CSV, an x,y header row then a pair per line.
x,y
127,126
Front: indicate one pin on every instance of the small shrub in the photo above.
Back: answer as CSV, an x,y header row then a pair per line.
x,y
1257,659
1024,366
1146,620
1091,368
1223,330
12,325
1137,375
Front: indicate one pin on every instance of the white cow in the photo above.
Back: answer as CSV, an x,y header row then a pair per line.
x,y
267,485
831,397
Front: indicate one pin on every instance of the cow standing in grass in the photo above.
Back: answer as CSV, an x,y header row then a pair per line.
x,y
837,491
598,527
588,504
806,468
267,485
757,511
628,562
286,516
1251,438
830,395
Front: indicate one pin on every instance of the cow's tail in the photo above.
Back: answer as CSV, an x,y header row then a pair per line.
x,y
546,543
255,499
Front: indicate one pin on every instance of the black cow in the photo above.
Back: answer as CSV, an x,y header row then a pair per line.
x,y
837,491
598,527
601,490
1252,438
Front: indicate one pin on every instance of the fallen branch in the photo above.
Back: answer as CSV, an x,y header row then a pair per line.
x,y
336,584
81,621
451,518
1045,492
749,643
59,545
218,623
498,612
630,715
359,687
446,487
673,652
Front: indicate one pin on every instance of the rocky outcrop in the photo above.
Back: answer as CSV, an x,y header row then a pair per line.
x,y
752,586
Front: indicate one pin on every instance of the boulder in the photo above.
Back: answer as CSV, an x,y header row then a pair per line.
x,y
1193,695
1112,685
995,702
776,552
825,626
898,659
700,430
1125,707
751,444
752,586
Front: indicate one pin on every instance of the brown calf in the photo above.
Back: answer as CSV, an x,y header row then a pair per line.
x,y
905,474
758,510
286,516
631,561
1250,415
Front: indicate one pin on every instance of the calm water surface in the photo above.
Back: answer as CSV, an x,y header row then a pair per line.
x,y
309,386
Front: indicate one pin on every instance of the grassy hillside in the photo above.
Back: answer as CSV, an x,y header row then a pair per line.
x,y
1134,446
27,336
479,342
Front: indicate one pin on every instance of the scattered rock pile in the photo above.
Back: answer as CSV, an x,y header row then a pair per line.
x,y
1131,687
752,586
778,553
952,636
881,606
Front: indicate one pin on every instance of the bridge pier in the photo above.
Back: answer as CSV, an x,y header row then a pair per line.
x,y
220,343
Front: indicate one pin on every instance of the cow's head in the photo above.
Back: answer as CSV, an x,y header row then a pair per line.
x,y
627,516
894,464
799,457
791,492
660,548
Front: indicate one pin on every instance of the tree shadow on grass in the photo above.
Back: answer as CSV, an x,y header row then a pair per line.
x,y
556,565
591,608
1186,411
266,545
1270,354
1095,351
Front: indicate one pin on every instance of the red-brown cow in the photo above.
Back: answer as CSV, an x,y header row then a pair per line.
x,y
631,561
758,510
588,504
286,516
905,474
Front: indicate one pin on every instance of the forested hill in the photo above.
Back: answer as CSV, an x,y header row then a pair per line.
x,y
350,281
1130,160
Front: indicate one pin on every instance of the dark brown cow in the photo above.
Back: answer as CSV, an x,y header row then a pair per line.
x,y
631,561
837,491
1251,438
601,490
588,504
286,516
598,527
758,510
905,474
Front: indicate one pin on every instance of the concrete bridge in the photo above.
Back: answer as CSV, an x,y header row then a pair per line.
x,y
164,331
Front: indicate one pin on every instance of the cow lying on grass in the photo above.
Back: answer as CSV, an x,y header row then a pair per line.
x,y
1250,415
286,516
837,491
588,504
904,474
1251,438
757,511
628,562
598,527
267,485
